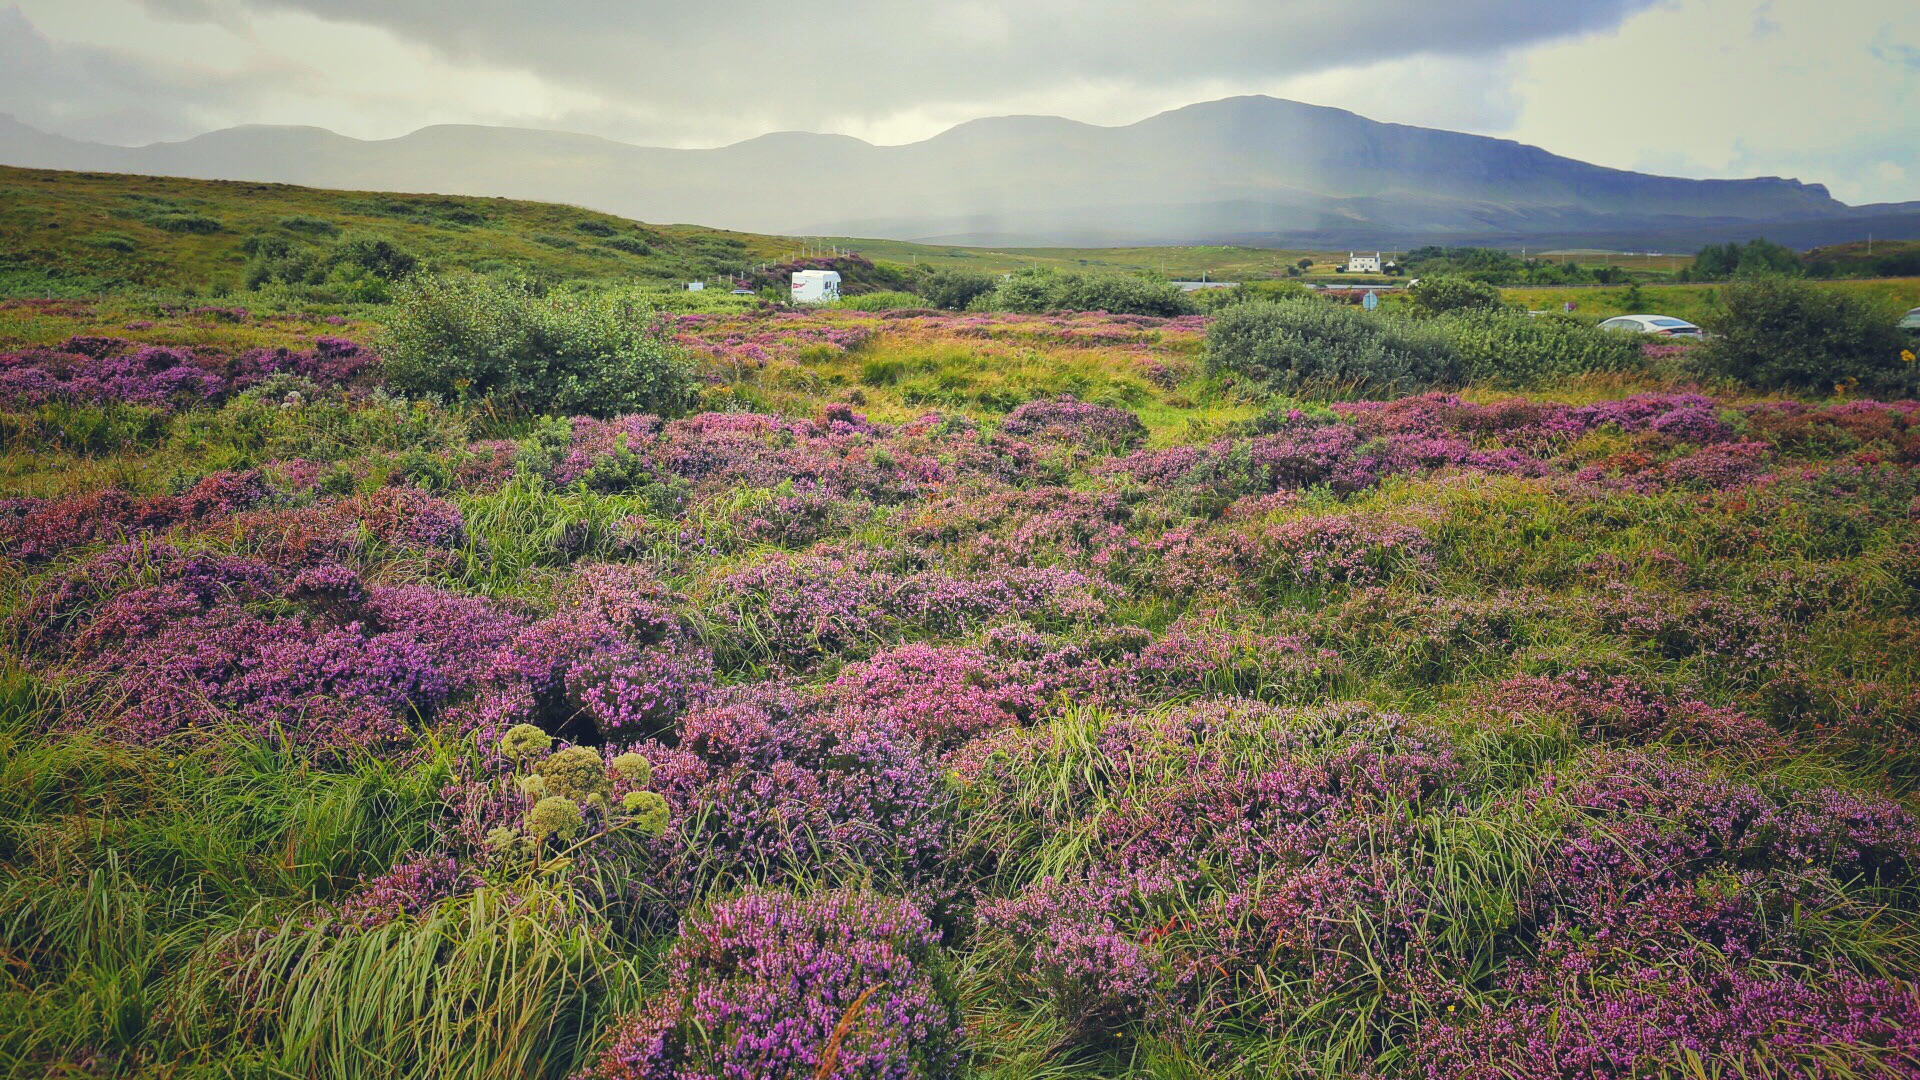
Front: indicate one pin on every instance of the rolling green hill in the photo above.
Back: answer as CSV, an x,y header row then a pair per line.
x,y
80,233
67,233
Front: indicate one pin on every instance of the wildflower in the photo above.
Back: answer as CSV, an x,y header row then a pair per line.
x,y
556,817
524,740
1906,356
649,811
535,785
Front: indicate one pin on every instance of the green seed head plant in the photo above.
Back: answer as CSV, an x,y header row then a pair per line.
x,y
555,817
648,810
523,741
575,773
634,768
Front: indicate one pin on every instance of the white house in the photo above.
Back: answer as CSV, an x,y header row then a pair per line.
x,y
1363,264
816,286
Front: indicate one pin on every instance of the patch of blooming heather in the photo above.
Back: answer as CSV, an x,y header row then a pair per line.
x,y
412,886
794,611
837,986
1616,708
1077,423
33,529
405,519
989,526
1733,639
762,339
1668,917
100,371
945,696
1215,840
170,641
766,784
1582,1012
1317,552
614,653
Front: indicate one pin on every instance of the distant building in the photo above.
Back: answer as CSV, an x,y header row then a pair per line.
x,y
1196,286
1363,264
816,286
696,286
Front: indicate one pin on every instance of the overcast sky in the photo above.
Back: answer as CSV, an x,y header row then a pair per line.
x,y
1822,90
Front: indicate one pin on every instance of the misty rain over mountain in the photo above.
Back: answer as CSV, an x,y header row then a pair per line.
x,y
1250,170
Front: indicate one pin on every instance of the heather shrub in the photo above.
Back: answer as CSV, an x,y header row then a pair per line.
x,y
1781,334
1512,349
1098,427
469,338
1306,346
839,985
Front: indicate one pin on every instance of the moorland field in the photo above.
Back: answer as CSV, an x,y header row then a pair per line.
x,y
443,659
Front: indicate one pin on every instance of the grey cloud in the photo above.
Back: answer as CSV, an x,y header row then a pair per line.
x,y
683,67
112,96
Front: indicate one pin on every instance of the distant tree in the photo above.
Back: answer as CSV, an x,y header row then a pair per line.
x,y
1756,258
1437,295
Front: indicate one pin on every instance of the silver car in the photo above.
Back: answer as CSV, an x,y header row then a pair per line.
x,y
1911,323
1660,325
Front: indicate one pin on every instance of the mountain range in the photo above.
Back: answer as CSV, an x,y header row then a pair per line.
x,y
1248,170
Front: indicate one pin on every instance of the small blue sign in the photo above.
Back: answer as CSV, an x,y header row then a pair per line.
x,y
1370,301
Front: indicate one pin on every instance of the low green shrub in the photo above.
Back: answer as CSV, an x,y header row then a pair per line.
x,y
1782,334
955,289
472,338
1309,345
1039,291
882,301
1506,348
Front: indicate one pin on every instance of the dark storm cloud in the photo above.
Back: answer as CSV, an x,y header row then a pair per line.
x,y
691,65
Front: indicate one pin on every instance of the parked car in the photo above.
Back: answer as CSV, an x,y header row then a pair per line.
x,y
1911,323
1662,325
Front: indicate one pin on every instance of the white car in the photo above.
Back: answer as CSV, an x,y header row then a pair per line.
x,y
1662,325
1911,321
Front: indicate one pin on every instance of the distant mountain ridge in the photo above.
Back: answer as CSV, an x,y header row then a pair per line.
x,y
1249,170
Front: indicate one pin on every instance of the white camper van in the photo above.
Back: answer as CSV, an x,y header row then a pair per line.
x,y
816,286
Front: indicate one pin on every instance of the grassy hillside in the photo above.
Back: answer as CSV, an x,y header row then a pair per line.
x,y
79,233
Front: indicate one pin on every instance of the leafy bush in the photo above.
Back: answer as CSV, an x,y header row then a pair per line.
x,y
1437,295
1512,349
109,241
1209,301
471,338
185,223
306,224
1039,291
1306,344
888,300
593,228
630,245
377,255
955,289
1780,334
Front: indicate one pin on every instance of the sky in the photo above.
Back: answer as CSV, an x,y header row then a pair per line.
x,y
1826,91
